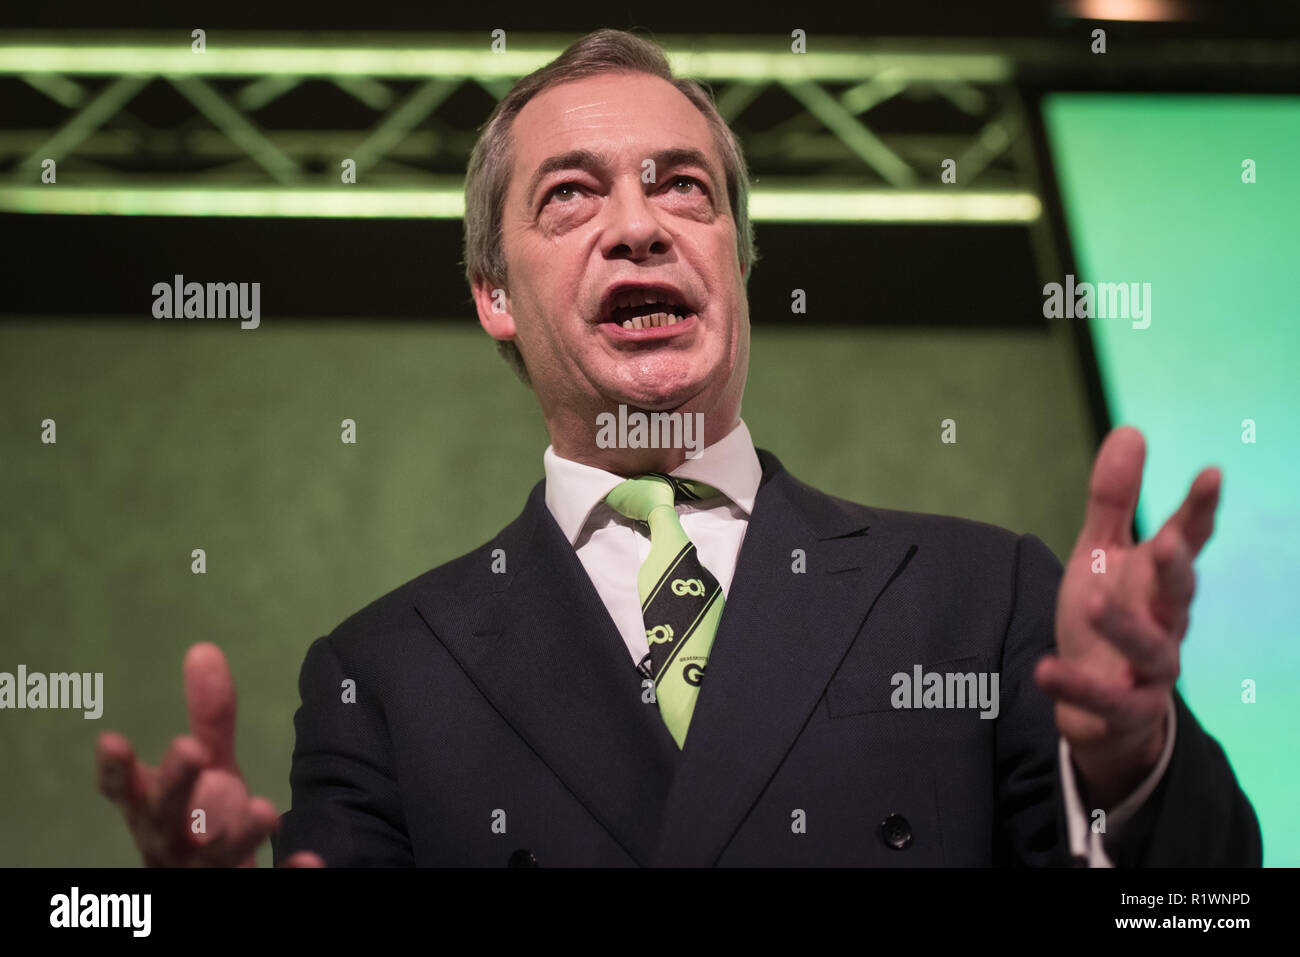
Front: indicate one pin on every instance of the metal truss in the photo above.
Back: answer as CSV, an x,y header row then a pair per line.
x,y
260,125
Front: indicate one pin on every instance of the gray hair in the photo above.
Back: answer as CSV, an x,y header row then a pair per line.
x,y
488,176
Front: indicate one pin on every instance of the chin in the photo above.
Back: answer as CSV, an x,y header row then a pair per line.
x,y
658,386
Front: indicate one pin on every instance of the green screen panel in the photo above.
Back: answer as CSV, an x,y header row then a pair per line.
x,y
1153,192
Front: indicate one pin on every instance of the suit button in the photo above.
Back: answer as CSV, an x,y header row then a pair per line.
x,y
522,858
897,831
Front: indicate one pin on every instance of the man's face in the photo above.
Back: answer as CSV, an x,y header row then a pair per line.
x,y
584,217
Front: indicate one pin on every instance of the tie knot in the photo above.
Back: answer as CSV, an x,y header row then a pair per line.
x,y
637,497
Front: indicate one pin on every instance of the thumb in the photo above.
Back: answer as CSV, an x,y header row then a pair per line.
x,y
210,696
1114,489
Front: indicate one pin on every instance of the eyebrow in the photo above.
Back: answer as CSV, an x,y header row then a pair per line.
x,y
591,160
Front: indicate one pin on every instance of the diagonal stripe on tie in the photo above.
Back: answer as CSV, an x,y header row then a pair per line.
x,y
687,549
681,614
685,635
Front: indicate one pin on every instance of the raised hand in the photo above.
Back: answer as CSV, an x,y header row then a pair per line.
x,y
198,771
1118,633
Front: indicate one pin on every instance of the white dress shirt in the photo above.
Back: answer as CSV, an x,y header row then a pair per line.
x,y
612,549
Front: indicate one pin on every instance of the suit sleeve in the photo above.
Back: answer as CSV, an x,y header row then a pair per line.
x,y
346,804
1196,816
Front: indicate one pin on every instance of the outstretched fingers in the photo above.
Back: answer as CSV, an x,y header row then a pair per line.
x,y
177,775
1194,519
120,777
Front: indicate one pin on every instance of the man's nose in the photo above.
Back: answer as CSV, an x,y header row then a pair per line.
x,y
634,230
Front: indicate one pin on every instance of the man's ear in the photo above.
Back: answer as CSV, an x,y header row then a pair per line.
x,y
494,310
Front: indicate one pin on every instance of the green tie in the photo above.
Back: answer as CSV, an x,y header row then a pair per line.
x,y
680,601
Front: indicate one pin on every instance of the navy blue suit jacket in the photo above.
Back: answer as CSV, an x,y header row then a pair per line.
x,y
501,713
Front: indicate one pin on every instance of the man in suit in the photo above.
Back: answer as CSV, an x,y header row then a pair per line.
x,y
671,659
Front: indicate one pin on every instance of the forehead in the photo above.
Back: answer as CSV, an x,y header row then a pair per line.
x,y
628,115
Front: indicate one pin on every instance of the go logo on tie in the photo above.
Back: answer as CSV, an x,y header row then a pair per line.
x,y
659,634
687,586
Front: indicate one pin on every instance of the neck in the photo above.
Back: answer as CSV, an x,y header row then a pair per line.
x,y
621,438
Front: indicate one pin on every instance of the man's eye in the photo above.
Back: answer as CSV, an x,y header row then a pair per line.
x,y
565,192
688,180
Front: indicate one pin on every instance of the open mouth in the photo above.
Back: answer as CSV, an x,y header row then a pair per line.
x,y
646,309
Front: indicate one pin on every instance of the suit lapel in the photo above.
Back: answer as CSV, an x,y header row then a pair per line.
x,y
542,648
781,637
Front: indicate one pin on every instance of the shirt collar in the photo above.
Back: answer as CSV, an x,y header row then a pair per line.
x,y
572,489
